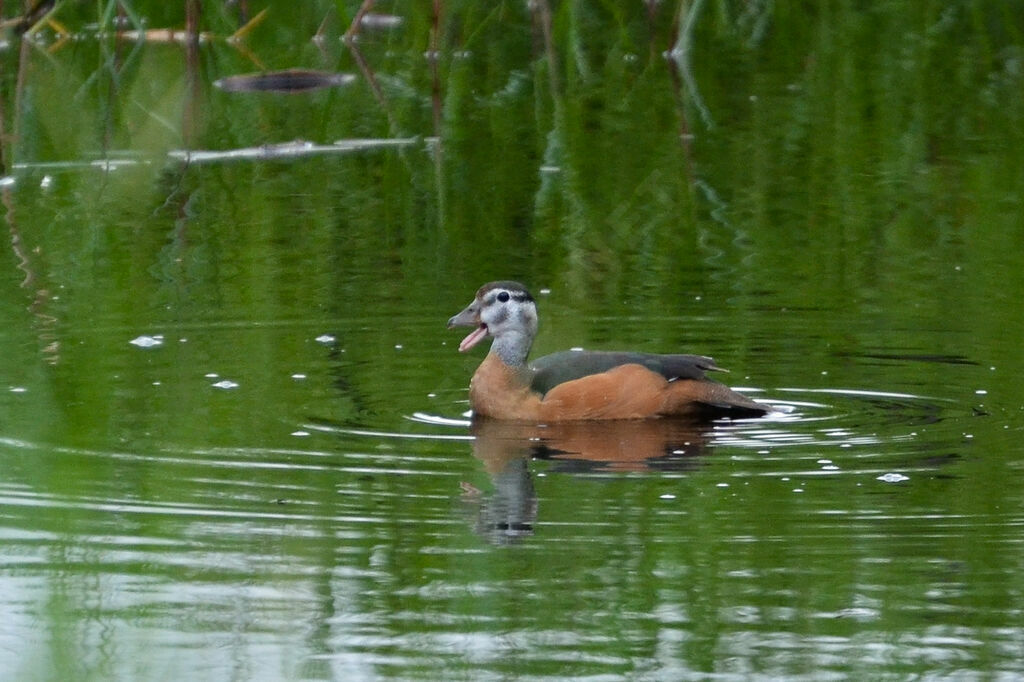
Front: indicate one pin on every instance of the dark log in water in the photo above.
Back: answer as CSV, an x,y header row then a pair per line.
x,y
287,81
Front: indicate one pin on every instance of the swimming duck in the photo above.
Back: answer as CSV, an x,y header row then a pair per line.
x,y
581,385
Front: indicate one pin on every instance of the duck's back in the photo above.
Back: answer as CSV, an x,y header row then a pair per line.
x,y
625,385
557,368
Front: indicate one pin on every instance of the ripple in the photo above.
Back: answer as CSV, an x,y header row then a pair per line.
x,y
851,433
393,435
437,420
856,418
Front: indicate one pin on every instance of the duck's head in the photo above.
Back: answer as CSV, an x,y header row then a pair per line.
x,y
504,311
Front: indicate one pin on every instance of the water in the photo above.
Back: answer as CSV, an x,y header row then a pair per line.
x,y
233,431
287,528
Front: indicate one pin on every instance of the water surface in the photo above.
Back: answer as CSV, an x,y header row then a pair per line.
x,y
233,431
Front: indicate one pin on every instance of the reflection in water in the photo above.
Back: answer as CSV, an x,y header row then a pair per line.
x,y
45,322
510,512
628,445
505,449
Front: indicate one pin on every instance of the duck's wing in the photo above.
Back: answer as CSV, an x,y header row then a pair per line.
x,y
557,368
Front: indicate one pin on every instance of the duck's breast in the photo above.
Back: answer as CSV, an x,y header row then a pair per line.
x,y
502,392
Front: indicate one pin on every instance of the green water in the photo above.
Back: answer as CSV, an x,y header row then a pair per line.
x,y
233,433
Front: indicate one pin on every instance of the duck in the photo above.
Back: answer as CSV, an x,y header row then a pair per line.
x,y
577,385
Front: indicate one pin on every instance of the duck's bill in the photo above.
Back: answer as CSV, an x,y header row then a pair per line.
x,y
474,337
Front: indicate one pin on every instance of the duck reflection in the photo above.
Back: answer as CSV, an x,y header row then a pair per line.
x,y
505,449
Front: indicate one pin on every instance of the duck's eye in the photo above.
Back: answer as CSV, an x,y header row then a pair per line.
x,y
503,296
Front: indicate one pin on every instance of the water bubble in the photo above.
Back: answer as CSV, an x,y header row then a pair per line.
x,y
382,21
225,384
893,477
148,341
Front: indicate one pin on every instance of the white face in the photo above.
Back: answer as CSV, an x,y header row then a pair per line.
x,y
498,311
508,310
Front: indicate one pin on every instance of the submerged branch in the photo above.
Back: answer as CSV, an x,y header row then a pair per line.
x,y
679,56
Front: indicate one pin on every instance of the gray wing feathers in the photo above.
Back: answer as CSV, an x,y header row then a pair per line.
x,y
557,368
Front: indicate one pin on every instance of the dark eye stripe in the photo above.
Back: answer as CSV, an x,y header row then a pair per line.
x,y
495,293
505,296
